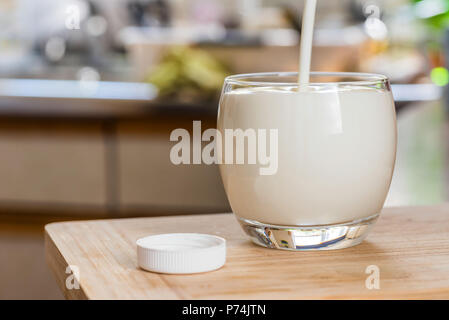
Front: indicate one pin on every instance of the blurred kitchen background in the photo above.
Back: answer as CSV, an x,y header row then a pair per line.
x,y
91,89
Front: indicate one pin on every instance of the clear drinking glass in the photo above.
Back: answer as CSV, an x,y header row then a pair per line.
x,y
307,168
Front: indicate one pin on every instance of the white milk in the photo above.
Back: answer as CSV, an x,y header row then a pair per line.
x,y
336,154
305,54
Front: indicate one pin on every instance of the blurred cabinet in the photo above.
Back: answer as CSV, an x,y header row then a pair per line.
x,y
115,167
148,179
47,162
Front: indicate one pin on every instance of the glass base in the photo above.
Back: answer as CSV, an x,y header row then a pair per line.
x,y
302,238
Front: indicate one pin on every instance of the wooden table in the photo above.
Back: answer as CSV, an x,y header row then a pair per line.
x,y
409,246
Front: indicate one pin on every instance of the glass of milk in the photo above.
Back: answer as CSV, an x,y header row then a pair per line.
x,y
307,167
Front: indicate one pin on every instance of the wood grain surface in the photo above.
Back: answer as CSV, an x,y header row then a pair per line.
x,y
410,246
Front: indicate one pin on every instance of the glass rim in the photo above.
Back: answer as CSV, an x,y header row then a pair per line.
x,y
365,78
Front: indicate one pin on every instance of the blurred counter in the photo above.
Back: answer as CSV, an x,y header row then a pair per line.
x,y
112,99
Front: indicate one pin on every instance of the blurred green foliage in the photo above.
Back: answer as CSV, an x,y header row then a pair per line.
x,y
188,74
437,12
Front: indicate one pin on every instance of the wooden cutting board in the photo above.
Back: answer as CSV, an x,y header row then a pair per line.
x,y
409,247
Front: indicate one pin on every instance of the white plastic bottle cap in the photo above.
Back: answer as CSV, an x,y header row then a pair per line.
x,y
181,253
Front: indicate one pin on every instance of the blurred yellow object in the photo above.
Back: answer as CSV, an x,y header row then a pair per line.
x,y
440,76
375,47
188,75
